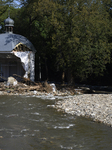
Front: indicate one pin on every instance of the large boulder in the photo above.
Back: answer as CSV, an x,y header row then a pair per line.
x,y
12,81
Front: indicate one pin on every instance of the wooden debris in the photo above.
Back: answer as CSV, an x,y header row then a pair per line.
x,y
31,88
1,77
25,87
47,87
25,80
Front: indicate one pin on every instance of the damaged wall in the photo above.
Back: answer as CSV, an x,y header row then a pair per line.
x,y
28,62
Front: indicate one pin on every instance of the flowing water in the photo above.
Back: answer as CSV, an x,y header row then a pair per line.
x,y
28,123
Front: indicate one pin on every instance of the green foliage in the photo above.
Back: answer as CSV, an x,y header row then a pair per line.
x,y
70,35
82,40
4,6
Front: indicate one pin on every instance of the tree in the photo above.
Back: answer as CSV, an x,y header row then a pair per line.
x,y
4,5
71,36
82,41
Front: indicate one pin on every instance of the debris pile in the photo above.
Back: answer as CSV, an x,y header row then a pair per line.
x,y
13,87
28,87
19,88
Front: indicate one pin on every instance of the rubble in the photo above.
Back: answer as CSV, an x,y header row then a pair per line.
x,y
19,88
28,87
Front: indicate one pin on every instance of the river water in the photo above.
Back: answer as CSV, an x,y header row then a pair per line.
x,y
29,123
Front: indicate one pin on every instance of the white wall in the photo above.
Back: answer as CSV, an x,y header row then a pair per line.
x,y
28,62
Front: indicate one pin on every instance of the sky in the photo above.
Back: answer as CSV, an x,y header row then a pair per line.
x,y
17,3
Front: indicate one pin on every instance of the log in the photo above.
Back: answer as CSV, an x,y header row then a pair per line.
x,y
28,88
26,80
1,77
34,88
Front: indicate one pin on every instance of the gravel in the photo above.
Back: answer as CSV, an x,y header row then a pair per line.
x,y
98,107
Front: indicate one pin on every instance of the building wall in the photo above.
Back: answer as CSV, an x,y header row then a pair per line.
x,y
10,67
28,62
21,61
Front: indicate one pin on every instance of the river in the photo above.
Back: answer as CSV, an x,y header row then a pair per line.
x,y
29,123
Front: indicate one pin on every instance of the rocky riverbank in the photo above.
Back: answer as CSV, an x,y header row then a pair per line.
x,y
98,107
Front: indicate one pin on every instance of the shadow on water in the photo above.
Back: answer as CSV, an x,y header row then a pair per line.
x,y
29,123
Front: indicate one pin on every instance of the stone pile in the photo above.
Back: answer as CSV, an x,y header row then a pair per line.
x,y
98,107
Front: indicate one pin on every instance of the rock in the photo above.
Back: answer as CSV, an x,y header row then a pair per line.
x,y
53,87
35,92
12,81
1,92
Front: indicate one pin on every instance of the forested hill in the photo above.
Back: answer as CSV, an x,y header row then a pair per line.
x,y
73,38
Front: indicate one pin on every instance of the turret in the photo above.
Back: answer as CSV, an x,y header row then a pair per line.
x,y
9,24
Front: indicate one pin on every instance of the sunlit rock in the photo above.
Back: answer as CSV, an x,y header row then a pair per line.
x,y
12,81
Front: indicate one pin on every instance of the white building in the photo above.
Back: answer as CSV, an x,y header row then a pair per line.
x,y
17,54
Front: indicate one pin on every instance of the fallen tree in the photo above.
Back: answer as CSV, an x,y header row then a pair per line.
x,y
25,80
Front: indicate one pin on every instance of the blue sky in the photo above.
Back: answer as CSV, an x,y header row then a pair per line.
x,y
16,2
